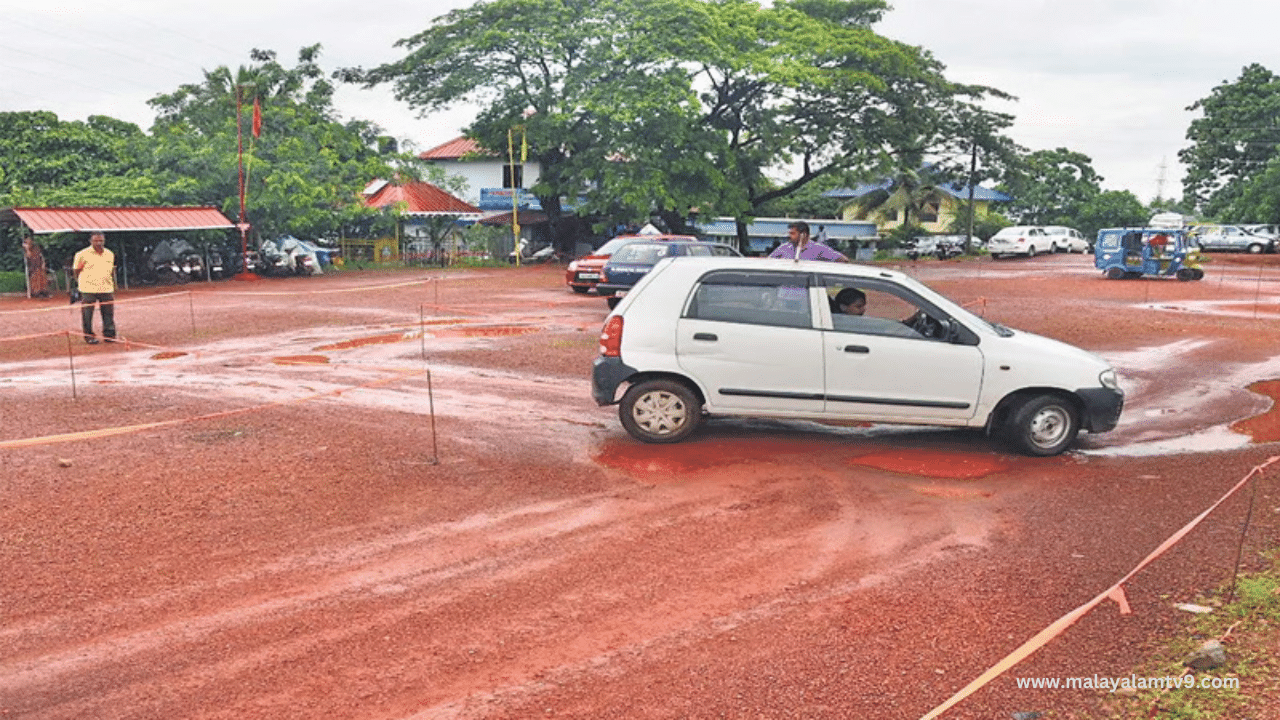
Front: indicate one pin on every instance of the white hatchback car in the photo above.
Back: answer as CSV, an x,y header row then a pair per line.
x,y
751,337
1067,239
1026,240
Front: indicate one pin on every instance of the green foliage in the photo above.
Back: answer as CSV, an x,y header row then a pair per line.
x,y
303,174
13,281
1051,187
1233,146
1111,208
807,201
39,152
985,224
634,107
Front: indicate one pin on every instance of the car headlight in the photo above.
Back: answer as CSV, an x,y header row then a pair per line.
x,y
1108,379
573,266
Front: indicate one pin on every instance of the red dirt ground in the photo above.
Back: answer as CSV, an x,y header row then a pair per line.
x,y
390,496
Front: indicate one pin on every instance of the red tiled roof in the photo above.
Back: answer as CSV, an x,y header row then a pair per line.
x,y
419,197
88,219
454,150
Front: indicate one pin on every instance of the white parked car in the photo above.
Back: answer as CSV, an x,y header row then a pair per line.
x,y
1067,239
749,337
1028,240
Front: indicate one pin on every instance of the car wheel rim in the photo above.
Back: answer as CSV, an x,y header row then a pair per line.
x,y
660,413
1049,426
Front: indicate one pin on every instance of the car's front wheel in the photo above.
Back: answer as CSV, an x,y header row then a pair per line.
x,y
1255,248
1031,251
660,411
1043,425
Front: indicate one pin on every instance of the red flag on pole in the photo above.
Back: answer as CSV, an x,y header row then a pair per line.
x,y
257,118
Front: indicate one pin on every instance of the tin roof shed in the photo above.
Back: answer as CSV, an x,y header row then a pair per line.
x,y
43,221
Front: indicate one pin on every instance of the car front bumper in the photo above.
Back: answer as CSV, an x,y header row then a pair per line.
x,y
1102,407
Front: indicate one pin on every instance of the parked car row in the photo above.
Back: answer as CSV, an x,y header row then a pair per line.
x,y
1031,240
617,265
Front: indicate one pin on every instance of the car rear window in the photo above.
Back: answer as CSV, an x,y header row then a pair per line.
x,y
780,299
641,253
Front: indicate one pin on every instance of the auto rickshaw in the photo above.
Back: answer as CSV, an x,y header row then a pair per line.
x,y
1134,252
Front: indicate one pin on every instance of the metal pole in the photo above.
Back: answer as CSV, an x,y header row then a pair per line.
x,y
192,304
1248,518
973,171
71,363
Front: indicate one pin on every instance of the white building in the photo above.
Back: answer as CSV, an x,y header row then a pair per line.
x,y
490,179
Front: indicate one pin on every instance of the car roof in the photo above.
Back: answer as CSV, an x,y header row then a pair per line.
x,y
657,238
734,262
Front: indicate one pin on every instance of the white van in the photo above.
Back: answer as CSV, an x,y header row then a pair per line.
x,y
832,341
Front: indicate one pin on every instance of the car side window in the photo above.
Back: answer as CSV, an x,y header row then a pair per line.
x,y
886,310
753,298
698,250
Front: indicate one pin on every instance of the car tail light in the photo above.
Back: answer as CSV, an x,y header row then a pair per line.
x,y
604,277
611,337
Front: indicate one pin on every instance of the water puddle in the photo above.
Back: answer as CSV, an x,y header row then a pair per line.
x,y
363,342
489,331
935,463
1262,428
301,360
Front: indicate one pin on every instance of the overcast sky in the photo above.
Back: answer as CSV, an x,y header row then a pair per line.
x,y
1109,78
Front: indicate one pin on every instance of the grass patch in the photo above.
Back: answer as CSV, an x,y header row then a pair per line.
x,y
13,281
1247,686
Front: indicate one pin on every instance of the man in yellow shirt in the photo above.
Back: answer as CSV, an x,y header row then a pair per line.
x,y
94,269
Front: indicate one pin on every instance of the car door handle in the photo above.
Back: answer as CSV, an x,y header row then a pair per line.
x,y
857,349
705,336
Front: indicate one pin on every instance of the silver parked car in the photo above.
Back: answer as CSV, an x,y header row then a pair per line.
x,y
1233,238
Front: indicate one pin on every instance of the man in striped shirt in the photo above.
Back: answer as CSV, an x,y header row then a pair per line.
x,y
799,246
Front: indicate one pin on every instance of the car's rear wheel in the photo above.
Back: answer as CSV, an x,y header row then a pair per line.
x,y
1043,425
613,301
1031,251
1199,273
1185,274
660,411
1115,273
1255,248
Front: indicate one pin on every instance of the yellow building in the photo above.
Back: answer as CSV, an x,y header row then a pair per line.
x,y
937,209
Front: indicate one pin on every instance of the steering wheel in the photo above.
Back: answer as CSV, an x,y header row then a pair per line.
x,y
922,323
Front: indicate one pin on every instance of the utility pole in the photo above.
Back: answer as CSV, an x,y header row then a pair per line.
x,y
973,172
1160,181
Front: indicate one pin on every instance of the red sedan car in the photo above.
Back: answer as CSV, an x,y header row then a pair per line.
x,y
582,274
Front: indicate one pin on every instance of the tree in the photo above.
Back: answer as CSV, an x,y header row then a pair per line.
x,y
303,175
1051,187
635,107
45,161
40,154
1232,143
1108,209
